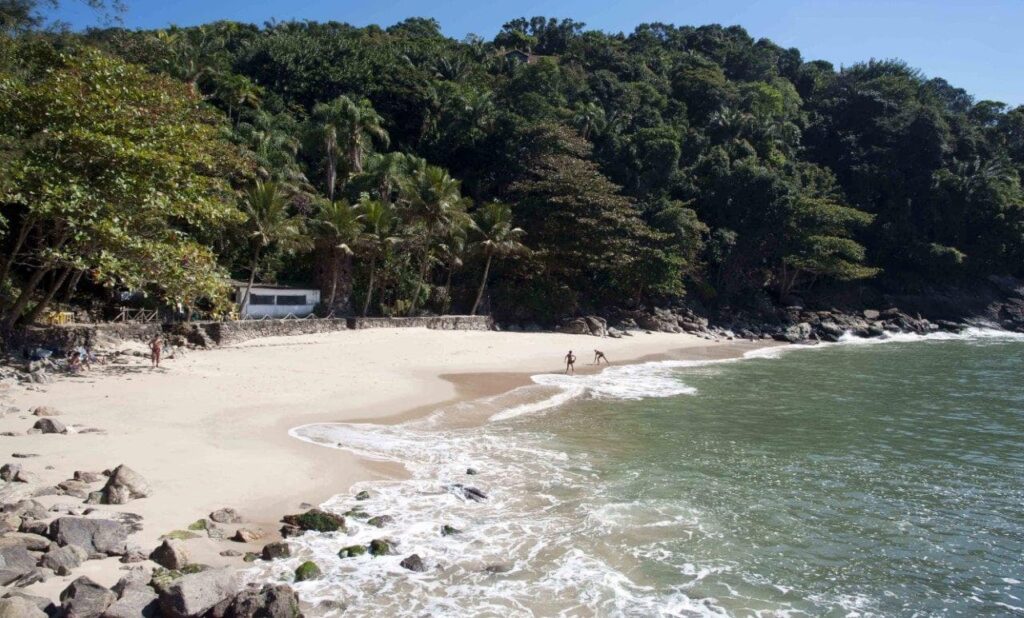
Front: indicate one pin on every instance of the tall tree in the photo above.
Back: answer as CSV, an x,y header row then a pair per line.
x,y
268,222
496,238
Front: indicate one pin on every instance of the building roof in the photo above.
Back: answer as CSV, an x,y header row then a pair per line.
x,y
272,286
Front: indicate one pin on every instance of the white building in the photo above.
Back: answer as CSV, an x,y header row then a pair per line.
x,y
275,301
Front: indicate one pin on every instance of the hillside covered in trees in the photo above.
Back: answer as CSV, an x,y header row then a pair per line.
x,y
551,171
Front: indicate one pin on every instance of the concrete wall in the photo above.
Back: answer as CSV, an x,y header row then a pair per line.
x,y
440,322
226,333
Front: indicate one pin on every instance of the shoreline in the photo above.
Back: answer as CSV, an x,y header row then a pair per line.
x,y
211,429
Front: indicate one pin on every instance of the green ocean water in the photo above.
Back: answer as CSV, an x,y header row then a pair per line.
x,y
849,480
859,479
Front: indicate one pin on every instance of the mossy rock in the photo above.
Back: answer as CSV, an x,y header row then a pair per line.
x,y
380,547
316,520
363,495
165,577
307,570
180,535
357,513
352,551
199,524
251,556
447,530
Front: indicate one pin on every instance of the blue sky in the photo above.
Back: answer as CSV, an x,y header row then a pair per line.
x,y
975,44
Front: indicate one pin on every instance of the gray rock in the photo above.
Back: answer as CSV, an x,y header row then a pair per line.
x,y
247,535
96,536
193,594
268,601
84,598
577,326
88,477
74,488
124,485
63,560
363,495
796,333
380,521
135,577
18,607
45,411
49,425
21,579
226,516
17,558
414,563
231,553
171,554
44,604
10,471
31,542
274,551
133,602
871,314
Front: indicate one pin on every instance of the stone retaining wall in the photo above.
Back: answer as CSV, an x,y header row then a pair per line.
x,y
222,333
440,322
226,333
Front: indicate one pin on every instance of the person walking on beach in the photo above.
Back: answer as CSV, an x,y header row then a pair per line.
x,y
155,347
599,356
570,363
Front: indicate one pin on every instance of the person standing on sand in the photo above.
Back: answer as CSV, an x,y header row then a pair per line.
x,y
570,363
599,356
155,347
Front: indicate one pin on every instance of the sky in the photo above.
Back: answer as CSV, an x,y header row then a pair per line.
x,y
977,45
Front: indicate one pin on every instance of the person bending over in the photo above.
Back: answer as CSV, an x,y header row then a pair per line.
x,y
599,356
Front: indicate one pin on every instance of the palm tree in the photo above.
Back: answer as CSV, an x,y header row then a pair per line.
x,y
346,129
497,239
452,250
380,221
269,222
339,228
383,173
434,200
589,118
238,91
270,139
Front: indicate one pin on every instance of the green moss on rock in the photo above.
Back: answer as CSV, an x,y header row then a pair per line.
x,y
380,547
316,520
181,535
307,570
199,524
352,551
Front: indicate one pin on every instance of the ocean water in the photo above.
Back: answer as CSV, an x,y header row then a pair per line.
x,y
857,479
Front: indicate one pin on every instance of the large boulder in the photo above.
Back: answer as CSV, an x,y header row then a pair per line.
x,y
268,601
597,326
49,425
577,326
62,560
308,570
134,601
84,598
9,472
19,607
275,551
796,333
414,563
171,554
123,486
97,536
16,566
193,594
31,542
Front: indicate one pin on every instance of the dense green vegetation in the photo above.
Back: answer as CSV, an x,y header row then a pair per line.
x,y
550,171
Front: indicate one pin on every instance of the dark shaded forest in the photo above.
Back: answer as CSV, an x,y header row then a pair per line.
x,y
551,171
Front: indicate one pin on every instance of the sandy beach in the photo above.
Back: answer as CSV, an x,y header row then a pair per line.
x,y
209,429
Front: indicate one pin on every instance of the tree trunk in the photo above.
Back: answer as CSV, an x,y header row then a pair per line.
x,y
54,288
19,242
243,307
331,146
69,292
369,285
483,285
423,274
448,289
335,271
26,294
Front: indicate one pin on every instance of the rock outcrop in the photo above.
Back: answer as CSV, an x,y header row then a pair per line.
x,y
123,486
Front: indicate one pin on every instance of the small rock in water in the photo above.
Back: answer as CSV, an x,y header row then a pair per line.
x,y
250,556
474,494
497,568
380,521
447,530
307,571
274,551
472,471
231,553
352,551
380,547
363,495
414,563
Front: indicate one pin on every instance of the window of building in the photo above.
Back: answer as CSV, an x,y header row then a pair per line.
x,y
292,300
261,299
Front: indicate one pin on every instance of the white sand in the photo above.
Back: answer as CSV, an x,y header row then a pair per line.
x,y
209,429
